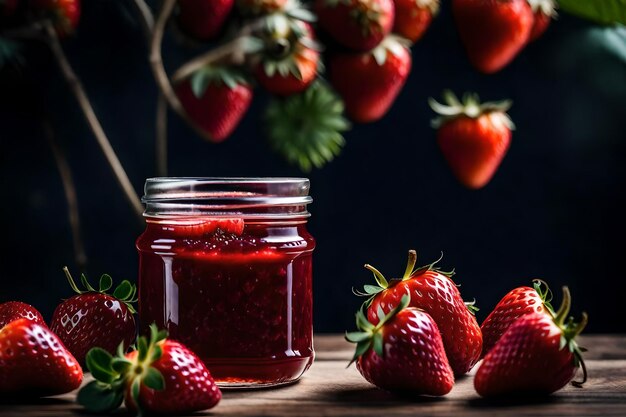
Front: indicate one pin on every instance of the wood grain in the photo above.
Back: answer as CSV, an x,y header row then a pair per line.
x,y
331,389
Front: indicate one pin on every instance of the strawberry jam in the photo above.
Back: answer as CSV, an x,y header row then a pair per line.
x,y
225,266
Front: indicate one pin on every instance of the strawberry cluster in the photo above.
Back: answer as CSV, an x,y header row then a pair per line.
x,y
159,376
415,334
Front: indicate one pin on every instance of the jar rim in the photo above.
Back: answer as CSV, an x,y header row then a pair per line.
x,y
276,197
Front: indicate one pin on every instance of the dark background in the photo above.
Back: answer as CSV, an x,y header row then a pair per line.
x,y
555,209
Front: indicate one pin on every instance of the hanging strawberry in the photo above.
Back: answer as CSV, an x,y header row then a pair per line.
x,y
413,17
306,128
216,98
204,19
64,14
356,24
289,62
369,82
493,32
473,137
545,11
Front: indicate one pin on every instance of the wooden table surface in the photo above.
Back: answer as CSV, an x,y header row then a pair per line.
x,y
329,389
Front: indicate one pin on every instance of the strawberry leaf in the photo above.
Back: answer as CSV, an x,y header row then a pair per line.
x,y
86,284
106,282
601,11
98,362
123,291
134,392
378,344
372,289
199,83
357,337
154,379
99,398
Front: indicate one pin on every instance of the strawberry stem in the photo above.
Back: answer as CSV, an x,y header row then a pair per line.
x,y
71,280
563,311
380,278
410,265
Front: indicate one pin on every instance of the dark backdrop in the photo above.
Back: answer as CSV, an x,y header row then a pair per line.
x,y
554,210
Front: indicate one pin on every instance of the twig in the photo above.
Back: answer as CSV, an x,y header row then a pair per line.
x,y
147,20
161,136
156,63
70,195
77,89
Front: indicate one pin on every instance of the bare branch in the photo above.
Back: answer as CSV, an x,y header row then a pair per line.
x,y
228,50
92,120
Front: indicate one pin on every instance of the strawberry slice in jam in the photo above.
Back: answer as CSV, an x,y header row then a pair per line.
x,y
197,228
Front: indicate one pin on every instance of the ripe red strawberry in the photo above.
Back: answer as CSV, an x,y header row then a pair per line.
x,y
196,227
216,98
403,352
493,31
161,377
204,19
515,304
370,82
34,362
473,137
413,17
257,7
433,291
289,63
94,318
545,11
65,14
14,310
538,354
356,24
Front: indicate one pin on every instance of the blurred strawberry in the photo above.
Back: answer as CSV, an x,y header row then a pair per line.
x,y
289,62
473,137
493,31
64,14
369,82
356,24
545,11
204,19
216,98
14,310
413,17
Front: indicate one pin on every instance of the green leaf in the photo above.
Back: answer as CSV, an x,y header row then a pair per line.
x,y
372,289
378,344
199,83
120,365
123,291
600,11
134,392
157,352
142,348
106,282
357,337
98,398
154,379
98,362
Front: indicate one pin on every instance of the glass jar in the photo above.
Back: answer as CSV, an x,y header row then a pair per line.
x,y
225,267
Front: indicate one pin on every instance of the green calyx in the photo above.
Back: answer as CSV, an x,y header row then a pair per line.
x,y
545,294
114,374
410,271
216,75
369,335
124,292
569,330
392,44
307,128
470,106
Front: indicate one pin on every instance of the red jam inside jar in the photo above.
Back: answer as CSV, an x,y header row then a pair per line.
x,y
225,266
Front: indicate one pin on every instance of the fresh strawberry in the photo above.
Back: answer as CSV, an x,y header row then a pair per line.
x,y
433,291
403,352
34,362
545,11
258,7
473,137
14,310
370,82
515,304
493,31
216,98
538,354
200,227
204,19
289,64
94,318
413,17
65,14
161,377
356,24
